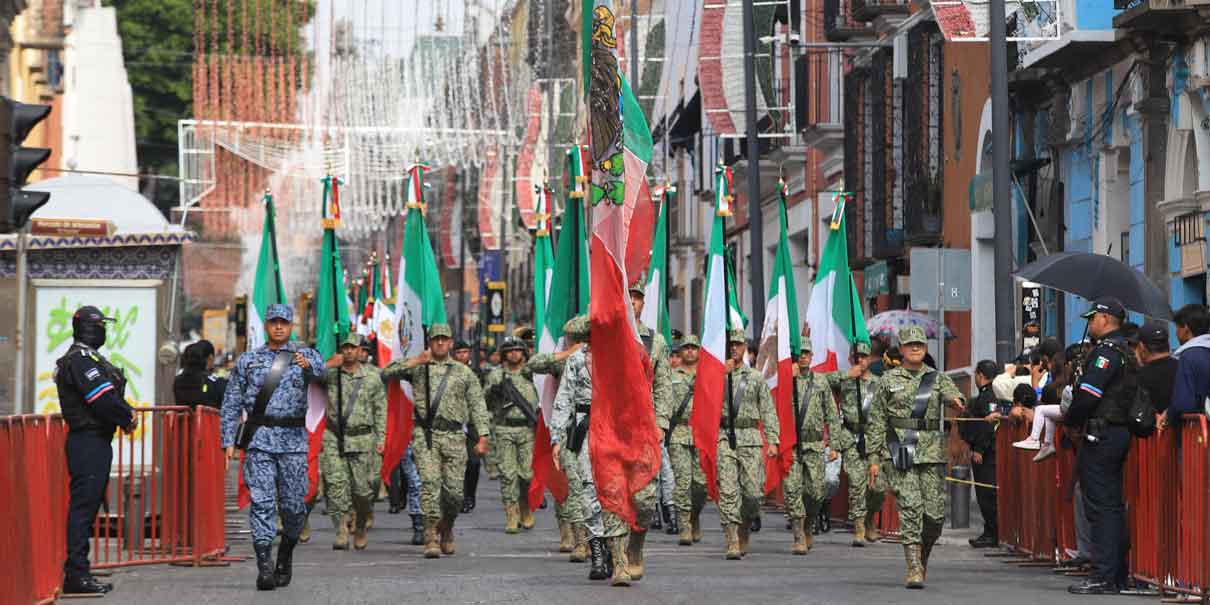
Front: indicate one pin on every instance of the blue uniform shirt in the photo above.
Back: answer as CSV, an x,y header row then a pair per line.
x,y
288,401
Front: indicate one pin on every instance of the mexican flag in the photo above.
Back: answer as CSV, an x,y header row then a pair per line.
x,y
708,386
382,316
655,312
780,342
834,311
267,285
419,304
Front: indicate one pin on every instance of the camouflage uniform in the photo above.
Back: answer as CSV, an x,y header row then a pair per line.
x,y
803,486
659,351
849,440
689,492
442,463
349,477
568,510
920,489
741,471
513,433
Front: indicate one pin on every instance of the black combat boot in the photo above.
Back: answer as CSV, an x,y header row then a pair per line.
x,y
265,580
672,527
86,584
825,516
661,515
417,531
284,571
756,524
598,569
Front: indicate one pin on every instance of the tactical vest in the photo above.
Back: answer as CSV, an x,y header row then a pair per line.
x,y
79,415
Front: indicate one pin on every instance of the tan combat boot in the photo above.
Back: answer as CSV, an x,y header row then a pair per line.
x,y
696,521
731,533
685,537
566,539
446,529
744,533
617,549
871,530
859,532
634,555
915,570
527,516
800,538
342,532
579,554
305,535
370,519
432,549
512,519
361,529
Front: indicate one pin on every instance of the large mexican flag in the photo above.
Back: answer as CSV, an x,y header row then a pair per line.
x,y
267,285
834,311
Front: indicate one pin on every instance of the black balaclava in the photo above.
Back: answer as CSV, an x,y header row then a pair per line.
x,y
88,326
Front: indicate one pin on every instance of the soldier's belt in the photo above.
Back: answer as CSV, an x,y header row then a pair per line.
x,y
517,422
583,408
441,424
278,421
351,431
918,424
743,423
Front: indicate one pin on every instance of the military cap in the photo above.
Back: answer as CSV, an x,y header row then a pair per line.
x,y
911,334
578,327
461,345
805,346
440,331
690,341
511,344
862,348
637,290
352,340
279,311
736,336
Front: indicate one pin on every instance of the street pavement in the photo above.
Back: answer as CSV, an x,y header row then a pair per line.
x,y
493,567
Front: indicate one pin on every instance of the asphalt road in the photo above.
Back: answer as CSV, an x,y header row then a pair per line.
x,y
493,567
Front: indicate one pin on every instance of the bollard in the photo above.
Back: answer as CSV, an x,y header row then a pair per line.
x,y
960,498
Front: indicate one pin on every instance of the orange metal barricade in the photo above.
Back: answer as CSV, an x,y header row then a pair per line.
x,y
1150,481
1190,573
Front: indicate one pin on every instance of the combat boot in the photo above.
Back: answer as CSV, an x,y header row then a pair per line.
x,y
685,537
361,532
446,528
695,520
731,533
305,535
370,518
579,554
929,536
284,570
859,532
566,539
915,572
341,523
634,555
871,530
744,534
800,538
265,579
673,526
512,517
432,549
597,570
417,531
617,551
660,517
527,516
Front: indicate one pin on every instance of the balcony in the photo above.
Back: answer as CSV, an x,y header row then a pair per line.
x,y
1158,16
819,98
840,25
869,10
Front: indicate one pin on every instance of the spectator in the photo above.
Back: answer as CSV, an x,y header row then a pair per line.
x,y
1192,383
1158,374
195,385
1046,416
981,437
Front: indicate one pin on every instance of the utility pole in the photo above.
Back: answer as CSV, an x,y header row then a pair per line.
x,y
22,317
1001,193
756,260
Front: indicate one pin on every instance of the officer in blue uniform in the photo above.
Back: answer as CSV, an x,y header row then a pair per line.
x,y
275,464
92,397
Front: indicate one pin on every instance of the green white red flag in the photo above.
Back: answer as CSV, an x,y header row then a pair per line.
x,y
655,312
267,285
834,311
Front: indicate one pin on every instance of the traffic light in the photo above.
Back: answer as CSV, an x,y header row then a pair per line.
x,y
17,162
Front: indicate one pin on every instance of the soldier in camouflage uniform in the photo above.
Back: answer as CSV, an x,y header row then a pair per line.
x,y
573,533
350,460
657,348
275,464
741,469
855,387
513,432
447,397
919,477
674,406
814,412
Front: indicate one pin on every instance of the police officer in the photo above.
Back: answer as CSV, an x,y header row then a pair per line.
x,y
275,462
1099,406
981,437
196,384
92,396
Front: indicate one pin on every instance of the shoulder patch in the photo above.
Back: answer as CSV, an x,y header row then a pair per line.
x,y
212,378
92,374
94,357
1100,362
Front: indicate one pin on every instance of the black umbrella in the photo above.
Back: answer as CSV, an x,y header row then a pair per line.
x,y
1095,275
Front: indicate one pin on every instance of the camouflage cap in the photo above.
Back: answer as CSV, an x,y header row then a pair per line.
x,y
862,348
440,331
636,289
578,327
512,344
279,311
912,334
690,341
352,340
736,336
805,346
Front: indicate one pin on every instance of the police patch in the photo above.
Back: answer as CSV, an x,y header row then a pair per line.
x,y
1101,362
92,374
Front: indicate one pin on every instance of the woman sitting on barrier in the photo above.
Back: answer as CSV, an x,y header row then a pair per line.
x,y
1046,416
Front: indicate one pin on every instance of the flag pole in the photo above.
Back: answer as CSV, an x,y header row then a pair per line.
x,y
330,225
272,222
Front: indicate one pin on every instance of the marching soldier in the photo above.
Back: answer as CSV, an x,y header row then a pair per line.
x,y
856,389
814,412
906,440
270,386
658,351
92,396
674,406
741,469
447,397
573,533
353,441
512,401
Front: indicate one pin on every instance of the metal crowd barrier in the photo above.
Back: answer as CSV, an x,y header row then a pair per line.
x,y
163,504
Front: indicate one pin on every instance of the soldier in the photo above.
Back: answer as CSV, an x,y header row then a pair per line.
x,y
573,534
741,470
814,413
353,441
855,387
674,406
512,401
92,396
447,397
658,351
275,464
470,482
905,437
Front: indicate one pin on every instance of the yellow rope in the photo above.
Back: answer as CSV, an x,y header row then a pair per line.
x,y
968,482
